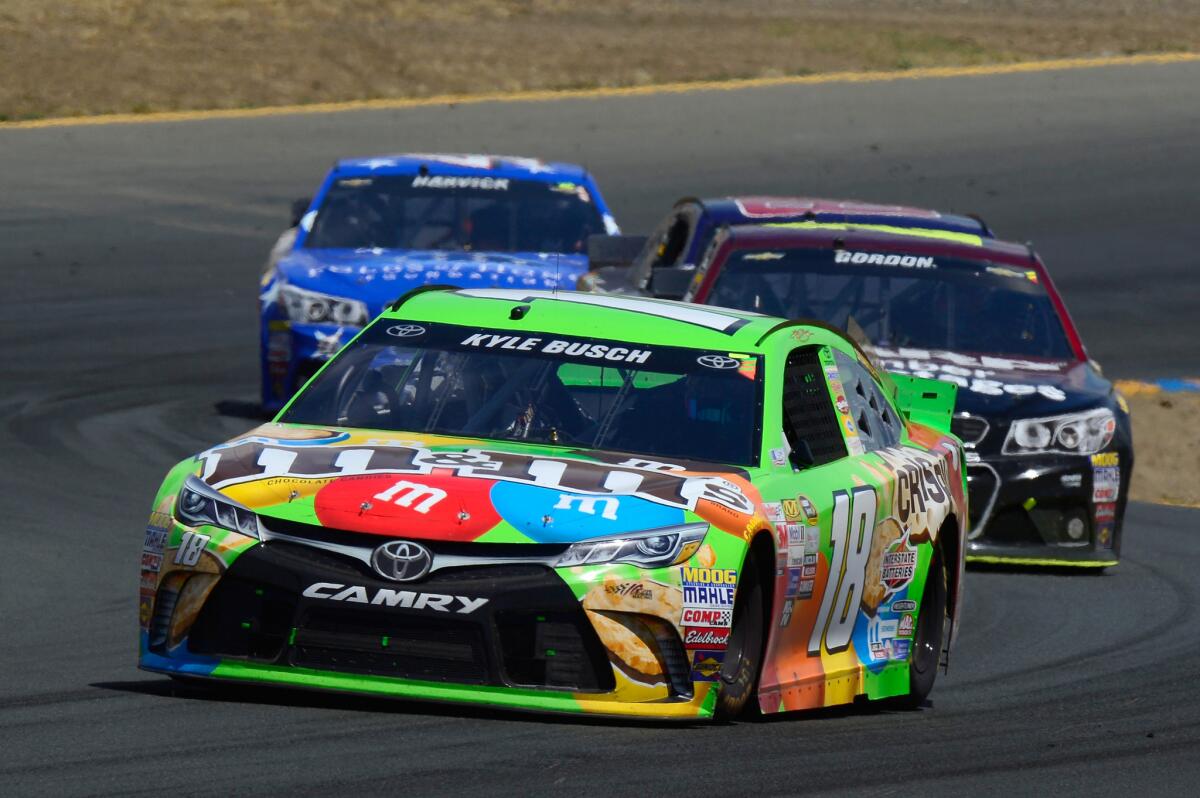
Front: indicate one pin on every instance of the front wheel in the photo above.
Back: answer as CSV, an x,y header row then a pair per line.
x,y
744,656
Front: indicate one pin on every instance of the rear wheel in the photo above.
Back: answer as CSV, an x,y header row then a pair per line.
x,y
743,657
927,638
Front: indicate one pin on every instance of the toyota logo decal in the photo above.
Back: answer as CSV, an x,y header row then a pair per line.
x,y
401,560
405,330
718,361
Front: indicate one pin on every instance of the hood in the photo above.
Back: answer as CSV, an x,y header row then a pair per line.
x,y
377,276
448,489
1003,387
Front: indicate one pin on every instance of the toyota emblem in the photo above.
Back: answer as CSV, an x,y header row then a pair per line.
x,y
718,362
401,560
405,330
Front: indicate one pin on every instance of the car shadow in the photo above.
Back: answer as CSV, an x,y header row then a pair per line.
x,y
1047,570
281,695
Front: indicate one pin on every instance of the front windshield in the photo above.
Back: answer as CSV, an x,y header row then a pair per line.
x,y
900,300
473,214
650,400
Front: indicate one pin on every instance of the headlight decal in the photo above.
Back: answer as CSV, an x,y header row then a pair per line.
x,y
199,504
655,548
312,307
1075,433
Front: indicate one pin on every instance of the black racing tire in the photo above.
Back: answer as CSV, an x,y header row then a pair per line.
x,y
747,642
928,637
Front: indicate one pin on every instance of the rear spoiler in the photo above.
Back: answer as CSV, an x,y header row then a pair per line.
x,y
927,402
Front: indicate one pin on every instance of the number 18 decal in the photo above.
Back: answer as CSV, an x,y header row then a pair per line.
x,y
191,546
850,536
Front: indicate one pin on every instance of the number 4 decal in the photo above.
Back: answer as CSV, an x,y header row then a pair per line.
x,y
850,537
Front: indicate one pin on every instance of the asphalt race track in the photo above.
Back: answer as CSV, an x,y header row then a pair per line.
x,y
130,255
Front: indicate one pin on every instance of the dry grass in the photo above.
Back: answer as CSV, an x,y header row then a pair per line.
x,y
67,57
1166,438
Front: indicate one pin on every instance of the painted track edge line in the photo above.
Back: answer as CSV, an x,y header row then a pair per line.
x,y
547,95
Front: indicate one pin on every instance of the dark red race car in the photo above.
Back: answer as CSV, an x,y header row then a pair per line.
x,y
1048,438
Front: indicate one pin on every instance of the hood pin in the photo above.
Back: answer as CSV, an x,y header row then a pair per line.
x,y
293,495
463,516
362,508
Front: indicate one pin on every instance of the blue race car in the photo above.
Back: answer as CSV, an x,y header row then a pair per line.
x,y
378,227
663,264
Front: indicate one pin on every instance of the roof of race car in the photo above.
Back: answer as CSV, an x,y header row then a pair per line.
x,y
767,210
509,166
627,318
872,238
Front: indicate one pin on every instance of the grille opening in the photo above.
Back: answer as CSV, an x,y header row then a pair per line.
x,y
552,649
1013,527
390,645
241,619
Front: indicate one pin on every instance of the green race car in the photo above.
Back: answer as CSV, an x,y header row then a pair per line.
x,y
576,503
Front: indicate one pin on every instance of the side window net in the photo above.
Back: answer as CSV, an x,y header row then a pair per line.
x,y
807,411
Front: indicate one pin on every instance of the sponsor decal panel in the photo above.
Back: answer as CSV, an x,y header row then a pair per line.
x,y
708,597
706,665
1071,480
1106,484
694,638
718,619
1106,511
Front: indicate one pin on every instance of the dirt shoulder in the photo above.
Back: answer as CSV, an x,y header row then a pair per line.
x,y
71,57
1166,445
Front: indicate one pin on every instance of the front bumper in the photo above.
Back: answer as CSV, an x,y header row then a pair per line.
x,y
530,646
1039,510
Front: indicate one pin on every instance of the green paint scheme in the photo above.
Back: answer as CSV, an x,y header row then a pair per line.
x,y
791,663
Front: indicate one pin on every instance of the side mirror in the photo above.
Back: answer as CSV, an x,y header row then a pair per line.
x,y
299,208
801,455
613,250
670,282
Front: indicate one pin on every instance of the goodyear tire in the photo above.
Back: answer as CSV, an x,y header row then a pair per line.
x,y
744,656
927,638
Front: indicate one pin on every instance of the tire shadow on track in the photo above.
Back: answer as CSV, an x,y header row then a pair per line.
x,y
1056,571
